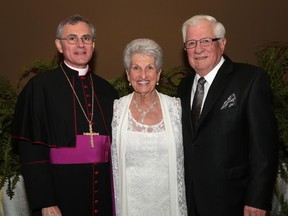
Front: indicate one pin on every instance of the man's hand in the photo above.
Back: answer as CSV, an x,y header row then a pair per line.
x,y
250,211
51,211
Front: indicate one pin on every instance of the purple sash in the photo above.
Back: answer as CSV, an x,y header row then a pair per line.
x,y
83,152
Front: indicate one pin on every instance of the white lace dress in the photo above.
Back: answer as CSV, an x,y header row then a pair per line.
x,y
148,167
147,171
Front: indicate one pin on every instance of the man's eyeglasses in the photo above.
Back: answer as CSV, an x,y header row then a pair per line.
x,y
204,42
73,39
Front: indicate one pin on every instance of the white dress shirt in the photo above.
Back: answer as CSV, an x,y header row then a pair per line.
x,y
209,79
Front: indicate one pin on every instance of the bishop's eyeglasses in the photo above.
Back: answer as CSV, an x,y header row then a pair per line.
x,y
204,42
73,39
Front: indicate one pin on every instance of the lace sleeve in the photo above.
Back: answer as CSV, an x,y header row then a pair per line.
x,y
176,116
114,153
119,109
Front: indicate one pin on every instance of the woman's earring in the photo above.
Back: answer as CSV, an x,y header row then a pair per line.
x,y
129,84
157,83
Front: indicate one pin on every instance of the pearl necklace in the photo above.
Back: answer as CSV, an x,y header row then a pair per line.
x,y
144,113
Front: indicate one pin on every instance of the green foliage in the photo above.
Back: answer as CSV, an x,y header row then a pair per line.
x,y
121,85
284,207
170,79
280,204
9,162
37,67
274,59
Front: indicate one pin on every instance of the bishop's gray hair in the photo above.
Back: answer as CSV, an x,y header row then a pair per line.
x,y
72,20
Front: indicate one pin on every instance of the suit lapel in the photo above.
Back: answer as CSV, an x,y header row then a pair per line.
x,y
218,85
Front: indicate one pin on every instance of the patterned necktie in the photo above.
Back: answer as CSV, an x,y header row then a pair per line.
x,y
197,101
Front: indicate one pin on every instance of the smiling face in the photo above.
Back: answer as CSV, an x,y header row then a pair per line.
x,y
204,59
143,74
76,55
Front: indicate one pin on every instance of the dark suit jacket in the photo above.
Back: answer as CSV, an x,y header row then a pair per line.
x,y
231,157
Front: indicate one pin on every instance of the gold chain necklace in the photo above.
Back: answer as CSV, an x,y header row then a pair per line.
x,y
144,113
91,133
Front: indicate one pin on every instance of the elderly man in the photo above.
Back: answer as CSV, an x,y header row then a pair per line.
x,y
229,128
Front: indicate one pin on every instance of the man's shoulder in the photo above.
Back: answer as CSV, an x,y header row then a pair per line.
x,y
185,84
102,84
44,78
101,81
243,67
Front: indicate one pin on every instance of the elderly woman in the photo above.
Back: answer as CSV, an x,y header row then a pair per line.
x,y
147,152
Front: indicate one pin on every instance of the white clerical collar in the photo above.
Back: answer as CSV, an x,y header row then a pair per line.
x,y
81,71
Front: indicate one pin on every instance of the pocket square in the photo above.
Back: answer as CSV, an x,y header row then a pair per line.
x,y
231,101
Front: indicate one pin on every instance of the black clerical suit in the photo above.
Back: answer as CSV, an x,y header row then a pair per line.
x,y
48,116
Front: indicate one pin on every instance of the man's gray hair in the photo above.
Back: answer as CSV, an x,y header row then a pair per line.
x,y
218,28
72,20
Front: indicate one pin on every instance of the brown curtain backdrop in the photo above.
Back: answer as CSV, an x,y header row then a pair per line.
x,y
29,29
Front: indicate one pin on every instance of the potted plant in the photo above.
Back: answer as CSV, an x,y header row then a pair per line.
x,y
9,163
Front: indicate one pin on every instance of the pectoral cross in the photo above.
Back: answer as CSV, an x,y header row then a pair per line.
x,y
91,133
